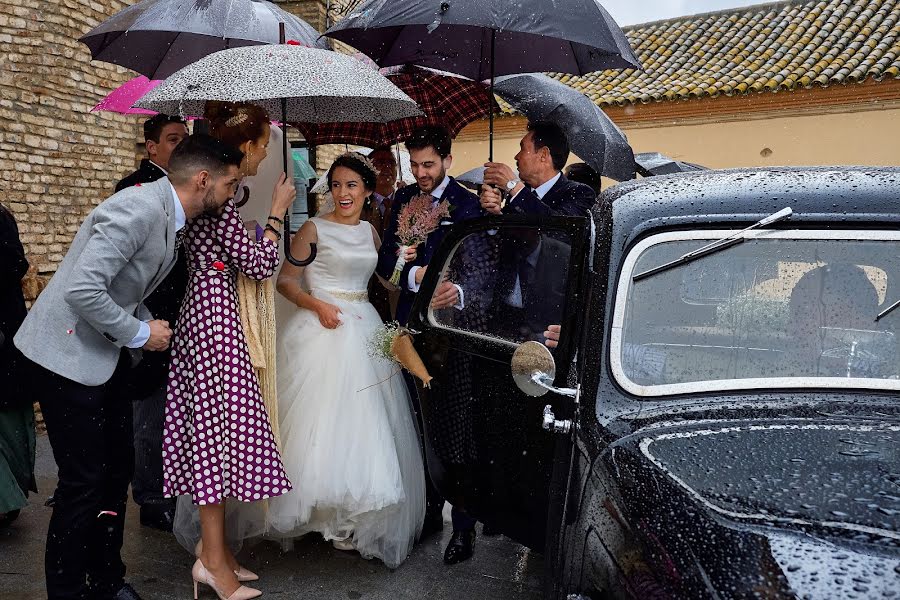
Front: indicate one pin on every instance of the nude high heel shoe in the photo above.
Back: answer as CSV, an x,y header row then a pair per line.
x,y
243,575
201,575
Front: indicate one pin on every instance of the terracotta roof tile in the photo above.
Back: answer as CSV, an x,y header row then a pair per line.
x,y
757,49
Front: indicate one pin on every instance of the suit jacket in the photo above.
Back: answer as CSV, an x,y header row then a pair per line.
x,y
542,291
146,173
165,301
93,305
463,205
565,198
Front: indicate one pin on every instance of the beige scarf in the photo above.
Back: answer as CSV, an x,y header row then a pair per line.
x,y
256,301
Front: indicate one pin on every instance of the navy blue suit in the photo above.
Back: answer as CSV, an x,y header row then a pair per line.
x,y
463,205
565,198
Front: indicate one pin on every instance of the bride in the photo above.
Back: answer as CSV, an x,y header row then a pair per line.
x,y
348,437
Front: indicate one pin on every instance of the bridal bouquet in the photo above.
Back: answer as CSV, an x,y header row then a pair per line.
x,y
417,219
393,342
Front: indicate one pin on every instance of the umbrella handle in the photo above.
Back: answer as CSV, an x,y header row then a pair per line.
x,y
287,246
284,155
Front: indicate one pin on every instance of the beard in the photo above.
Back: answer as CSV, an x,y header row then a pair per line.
x,y
210,208
433,182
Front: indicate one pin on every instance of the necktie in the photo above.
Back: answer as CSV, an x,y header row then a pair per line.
x,y
179,239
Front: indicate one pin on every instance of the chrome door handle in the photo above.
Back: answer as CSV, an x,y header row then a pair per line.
x,y
553,425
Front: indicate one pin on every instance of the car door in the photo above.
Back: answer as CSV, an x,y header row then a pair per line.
x,y
487,449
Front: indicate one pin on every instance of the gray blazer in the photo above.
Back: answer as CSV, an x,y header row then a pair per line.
x,y
93,305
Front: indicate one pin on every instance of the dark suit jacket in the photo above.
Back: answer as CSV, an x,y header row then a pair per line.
x,y
146,173
165,301
565,198
463,205
543,292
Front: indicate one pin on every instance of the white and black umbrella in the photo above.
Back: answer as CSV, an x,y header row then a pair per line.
x,y
158,37
649,164
319,86
298,83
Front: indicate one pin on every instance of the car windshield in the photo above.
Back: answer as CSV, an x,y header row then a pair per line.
x,y
785,309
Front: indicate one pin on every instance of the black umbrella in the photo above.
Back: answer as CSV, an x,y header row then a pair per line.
x,y
481,39
158,37
592,135
649,164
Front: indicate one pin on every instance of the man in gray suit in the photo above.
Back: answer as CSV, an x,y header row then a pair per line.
x,y
84,333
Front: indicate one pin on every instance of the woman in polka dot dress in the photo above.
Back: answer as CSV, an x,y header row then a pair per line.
x,y
218,442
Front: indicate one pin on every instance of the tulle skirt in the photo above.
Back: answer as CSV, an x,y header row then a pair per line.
x,y
348,443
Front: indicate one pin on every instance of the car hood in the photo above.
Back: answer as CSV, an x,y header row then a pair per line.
x,y
824,497
838,477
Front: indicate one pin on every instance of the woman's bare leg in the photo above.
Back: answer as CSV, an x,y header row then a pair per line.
x,y
214,553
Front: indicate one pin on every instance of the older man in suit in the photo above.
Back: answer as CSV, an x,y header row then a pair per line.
x,y
83,335
542,190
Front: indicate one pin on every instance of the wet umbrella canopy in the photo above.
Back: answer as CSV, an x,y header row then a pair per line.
x,y
319,86
448,101
592,135
481,39
566,36
158,37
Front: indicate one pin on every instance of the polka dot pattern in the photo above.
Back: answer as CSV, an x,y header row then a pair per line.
x,y
218,441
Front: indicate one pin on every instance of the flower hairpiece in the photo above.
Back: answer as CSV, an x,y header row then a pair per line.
x,y
237,119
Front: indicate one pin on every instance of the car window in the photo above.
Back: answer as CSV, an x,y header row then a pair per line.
x,y
513,283
783,309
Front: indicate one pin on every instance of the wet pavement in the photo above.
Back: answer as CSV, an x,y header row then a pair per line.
x,y
160,569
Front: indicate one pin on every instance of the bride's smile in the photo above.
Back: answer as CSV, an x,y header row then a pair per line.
x,y
349,194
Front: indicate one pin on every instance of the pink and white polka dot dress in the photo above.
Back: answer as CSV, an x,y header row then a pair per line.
x,y
218,442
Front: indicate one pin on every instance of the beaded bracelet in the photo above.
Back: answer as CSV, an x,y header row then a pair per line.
x,y
276,219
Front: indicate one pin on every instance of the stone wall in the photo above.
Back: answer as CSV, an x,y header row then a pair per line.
x,y
57,159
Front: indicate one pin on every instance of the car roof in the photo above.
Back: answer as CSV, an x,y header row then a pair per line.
x,y
864,195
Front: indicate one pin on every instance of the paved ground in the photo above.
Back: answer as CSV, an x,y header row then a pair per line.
x,y
160,569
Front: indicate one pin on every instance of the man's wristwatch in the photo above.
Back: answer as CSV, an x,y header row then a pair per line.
x,y
511,184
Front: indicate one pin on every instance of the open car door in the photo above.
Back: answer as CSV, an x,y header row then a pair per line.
x,y
491,447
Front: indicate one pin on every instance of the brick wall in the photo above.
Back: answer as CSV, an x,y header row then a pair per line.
x,y
57,160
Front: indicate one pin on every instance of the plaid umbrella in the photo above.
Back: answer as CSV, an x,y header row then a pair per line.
x,y
447,100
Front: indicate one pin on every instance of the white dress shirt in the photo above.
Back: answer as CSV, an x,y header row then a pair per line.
x,y
542,189
143,333
436,195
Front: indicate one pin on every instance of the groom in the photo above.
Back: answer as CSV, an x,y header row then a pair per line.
x,y
84,334
430,159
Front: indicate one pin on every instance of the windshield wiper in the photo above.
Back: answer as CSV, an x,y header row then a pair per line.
x,y
726,242
887,310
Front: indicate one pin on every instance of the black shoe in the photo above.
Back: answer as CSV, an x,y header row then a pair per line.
x,y
6,519
489,530
158,516
434,523
460,548
126,593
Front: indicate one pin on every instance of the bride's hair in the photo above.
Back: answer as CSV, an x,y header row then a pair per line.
x,y
359,164
235,122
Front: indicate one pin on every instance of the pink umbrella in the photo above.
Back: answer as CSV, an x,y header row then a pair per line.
x,y
121,99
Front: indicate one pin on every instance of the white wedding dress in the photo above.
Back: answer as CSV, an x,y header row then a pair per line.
x,y
348,439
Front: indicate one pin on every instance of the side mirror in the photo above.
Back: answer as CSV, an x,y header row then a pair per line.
x,y
533,370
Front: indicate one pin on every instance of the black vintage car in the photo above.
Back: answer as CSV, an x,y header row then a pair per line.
x,y
721,417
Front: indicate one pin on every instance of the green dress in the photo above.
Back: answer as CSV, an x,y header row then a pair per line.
x,y
16,457
16,412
